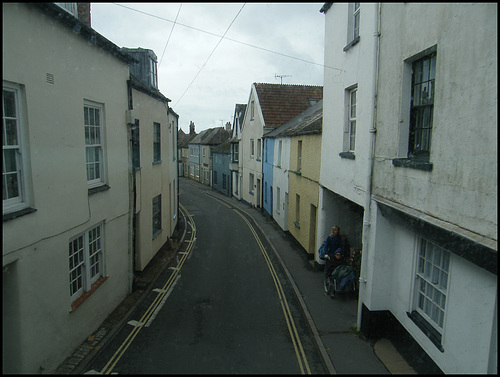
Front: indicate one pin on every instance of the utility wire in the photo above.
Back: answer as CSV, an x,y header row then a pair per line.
x,y
229,39
179,11
206,61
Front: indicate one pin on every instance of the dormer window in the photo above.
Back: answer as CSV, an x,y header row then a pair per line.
x,y
153,74
71,8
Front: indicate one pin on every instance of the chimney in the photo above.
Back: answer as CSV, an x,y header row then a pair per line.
x,y
191,128
228,126
84,12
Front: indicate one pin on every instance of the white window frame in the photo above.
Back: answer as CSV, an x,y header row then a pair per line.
x,y
251,183
252,147
280,148
156,142
278,199
299,155
94,139
20,151
352,119
432,275
86,260
252,110
153,73
156,216
259,149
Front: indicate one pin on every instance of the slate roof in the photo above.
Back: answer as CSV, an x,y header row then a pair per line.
x,y
212,136
280,103
307,122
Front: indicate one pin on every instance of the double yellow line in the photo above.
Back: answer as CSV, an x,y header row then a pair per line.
x,y
297,345
152,308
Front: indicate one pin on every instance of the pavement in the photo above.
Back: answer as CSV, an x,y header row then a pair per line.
x,y
344,350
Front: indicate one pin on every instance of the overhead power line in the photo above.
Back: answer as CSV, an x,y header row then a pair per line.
x,y
166,44
218,43
229,39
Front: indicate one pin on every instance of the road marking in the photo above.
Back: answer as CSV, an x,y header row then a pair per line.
x,y
152,308
168,291
134,323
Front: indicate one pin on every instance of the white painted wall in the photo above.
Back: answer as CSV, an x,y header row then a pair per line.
x,y
39,329
252,129
280,179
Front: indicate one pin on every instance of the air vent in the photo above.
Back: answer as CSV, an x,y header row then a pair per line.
x,y
50,78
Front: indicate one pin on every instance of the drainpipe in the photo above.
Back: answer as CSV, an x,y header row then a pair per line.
x,y
371,152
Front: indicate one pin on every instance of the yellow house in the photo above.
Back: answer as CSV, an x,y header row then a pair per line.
x,y
303,176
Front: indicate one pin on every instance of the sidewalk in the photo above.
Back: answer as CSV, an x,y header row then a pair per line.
x,y
332,321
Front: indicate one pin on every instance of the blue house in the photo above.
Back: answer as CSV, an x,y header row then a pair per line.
x,y
221,177
267,172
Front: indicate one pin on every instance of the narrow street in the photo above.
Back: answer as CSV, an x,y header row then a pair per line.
x,y
224,307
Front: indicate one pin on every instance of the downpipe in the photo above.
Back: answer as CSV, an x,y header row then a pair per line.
x,y
371,152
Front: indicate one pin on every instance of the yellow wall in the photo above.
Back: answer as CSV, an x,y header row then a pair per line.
x,y
305,184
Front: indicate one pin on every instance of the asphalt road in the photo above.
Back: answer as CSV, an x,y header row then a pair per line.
x,y
224,306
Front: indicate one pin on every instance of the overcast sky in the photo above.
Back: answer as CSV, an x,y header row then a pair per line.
x,y
261,40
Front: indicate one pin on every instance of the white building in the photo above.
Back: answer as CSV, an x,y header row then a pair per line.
x,y
154,159
430,227
66,206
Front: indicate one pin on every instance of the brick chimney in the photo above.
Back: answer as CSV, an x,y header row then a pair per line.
x,y
84,12
191,128
228,126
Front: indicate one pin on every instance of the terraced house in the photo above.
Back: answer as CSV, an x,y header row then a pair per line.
x,y
269,106
409,170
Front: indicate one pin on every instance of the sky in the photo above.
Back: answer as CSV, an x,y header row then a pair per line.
x,y
210,54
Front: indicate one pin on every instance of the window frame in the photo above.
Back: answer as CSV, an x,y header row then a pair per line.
x,y
353,25
156,216
352,119
299,155
21,151
99,147
85,263
153,73
156,143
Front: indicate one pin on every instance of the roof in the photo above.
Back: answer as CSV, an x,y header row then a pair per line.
x,y
186,141
137,84
212,136
307,122
79,27
279,103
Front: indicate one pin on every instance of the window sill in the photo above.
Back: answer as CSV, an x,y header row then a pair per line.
x,y
297,224
298,172
427,329
86,295
351,44
18,213
412,163
157,233
348,155
98,189
156,162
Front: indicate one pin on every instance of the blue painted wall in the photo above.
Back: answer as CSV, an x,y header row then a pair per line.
x,y
267,170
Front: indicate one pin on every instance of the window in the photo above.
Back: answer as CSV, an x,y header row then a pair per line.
x,y
234,152
299,155
431,290
94,143
174,142
69,7
353,25
259,149
86,262
352,119
153,74
156,215
224,184
280,147
252,110
297,210
14,166
197,171
251,179
156,142
252,147
215,177
136,149
278,199
422,106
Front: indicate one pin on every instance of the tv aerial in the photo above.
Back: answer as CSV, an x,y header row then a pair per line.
x,y
281,77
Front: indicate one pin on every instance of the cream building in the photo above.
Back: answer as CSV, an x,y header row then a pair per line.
x,y
66,206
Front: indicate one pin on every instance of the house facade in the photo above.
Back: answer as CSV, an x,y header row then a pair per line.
x,y
348,113
234,165
434,246
429,218
154,159
303,175
184,152
269,106
66,180
267,173
221,176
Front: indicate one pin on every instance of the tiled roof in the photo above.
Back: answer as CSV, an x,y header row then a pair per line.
x,y
212,136
280,103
